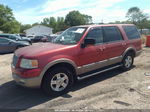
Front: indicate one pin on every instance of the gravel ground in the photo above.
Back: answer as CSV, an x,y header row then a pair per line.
x,y
110,90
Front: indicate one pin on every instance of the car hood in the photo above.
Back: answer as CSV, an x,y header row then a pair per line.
x,y
38,49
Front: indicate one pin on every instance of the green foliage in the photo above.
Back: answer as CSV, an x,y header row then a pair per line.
x,y
57,24
23,27
137,17
75,18
34,24
8,24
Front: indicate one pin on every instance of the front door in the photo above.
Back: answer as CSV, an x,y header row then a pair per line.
x,y
91,55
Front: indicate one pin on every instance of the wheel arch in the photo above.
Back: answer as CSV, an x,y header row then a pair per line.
x,y
129,50
60,62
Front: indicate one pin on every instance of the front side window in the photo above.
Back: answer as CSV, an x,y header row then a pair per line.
x,y
96,34
131,32
112,34
70,36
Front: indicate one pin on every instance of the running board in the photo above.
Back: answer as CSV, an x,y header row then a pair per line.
x,y
101,71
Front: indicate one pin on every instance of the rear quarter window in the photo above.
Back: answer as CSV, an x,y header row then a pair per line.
x,y
131,32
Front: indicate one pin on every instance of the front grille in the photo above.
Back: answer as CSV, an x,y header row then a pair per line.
x,y
15,60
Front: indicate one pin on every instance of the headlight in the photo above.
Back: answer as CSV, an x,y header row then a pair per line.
x,y
28,64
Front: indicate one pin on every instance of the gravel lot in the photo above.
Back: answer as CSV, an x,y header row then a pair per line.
x,y
109,90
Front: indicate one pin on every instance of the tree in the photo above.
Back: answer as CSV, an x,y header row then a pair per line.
x,y
23,27
34,24
8,23
60,24
137,17
75,18
57,24
88,19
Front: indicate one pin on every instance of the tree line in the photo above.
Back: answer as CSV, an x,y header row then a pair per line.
x,y
8,23
137,17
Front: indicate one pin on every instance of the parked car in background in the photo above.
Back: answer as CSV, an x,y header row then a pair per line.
x,y
52,37
40,38
22,35
8,45
78,53
16,37
31,36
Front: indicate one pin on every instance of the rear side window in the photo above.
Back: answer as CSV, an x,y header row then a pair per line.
x,y
131,32
111,34
3,41
4,36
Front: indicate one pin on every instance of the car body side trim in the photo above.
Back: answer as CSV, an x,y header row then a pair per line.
x,y
96,65
80,78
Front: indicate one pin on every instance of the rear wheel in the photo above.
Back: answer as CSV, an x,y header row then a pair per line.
x,y
57,81
127,62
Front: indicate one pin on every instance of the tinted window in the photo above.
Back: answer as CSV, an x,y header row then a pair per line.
x,y
4,36
96,34
112,33
3,40
12,37
131,32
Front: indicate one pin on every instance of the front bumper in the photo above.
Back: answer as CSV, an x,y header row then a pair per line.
x,y
27,82
31,82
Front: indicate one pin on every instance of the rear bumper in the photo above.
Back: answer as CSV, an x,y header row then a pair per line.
x,y
138,53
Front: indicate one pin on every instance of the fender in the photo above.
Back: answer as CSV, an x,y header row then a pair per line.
x,y
61,60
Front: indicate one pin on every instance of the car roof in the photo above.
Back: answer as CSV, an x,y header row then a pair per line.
x,y
7,34
97,25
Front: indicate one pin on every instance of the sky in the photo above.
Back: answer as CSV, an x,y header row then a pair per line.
x,y
31,11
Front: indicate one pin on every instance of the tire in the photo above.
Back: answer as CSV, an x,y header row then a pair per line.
x,y
54,79
30,42
127,62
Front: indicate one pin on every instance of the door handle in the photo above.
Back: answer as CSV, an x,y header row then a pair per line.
x,y
102,48
124,44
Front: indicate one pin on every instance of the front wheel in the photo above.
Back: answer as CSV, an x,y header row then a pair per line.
x,y
57,81
127,62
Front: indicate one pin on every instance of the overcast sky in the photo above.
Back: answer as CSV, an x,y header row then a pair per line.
x,y
31,11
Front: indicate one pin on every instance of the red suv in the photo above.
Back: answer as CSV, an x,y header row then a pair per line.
x,y
78,53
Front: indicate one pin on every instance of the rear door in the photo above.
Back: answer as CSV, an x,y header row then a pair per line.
x,y
114,44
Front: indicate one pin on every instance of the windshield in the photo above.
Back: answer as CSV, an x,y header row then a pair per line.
x,y
70,36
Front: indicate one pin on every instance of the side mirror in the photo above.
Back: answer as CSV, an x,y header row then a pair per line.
x,y
88,42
